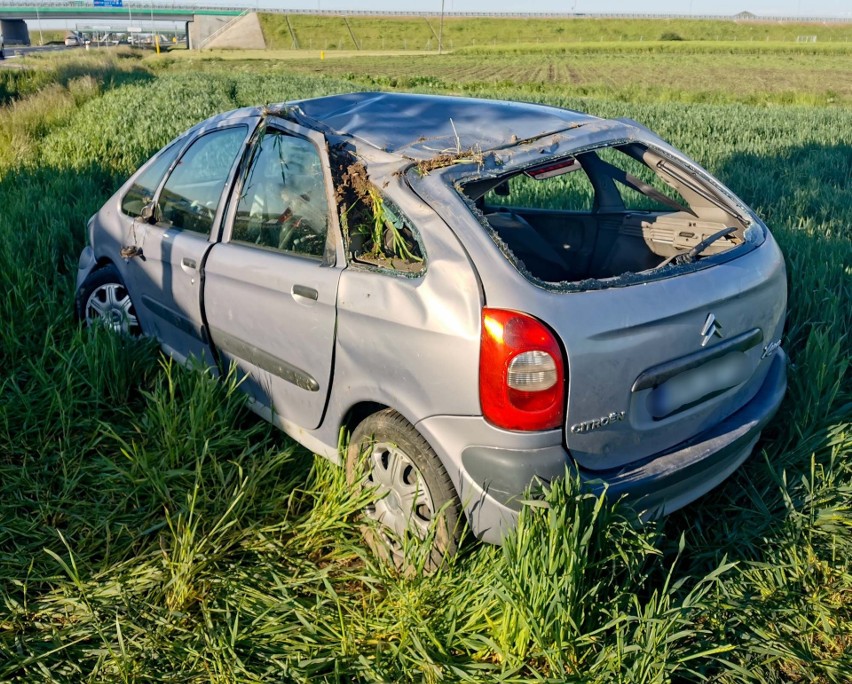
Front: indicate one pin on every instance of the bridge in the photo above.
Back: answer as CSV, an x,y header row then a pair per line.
x,y
110,9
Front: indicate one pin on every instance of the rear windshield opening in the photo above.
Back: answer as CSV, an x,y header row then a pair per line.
x,y
604,213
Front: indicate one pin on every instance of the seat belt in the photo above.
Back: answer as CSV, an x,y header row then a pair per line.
x,y
642,187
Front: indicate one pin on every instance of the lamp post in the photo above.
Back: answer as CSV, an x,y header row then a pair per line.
x,y
441,30
40,36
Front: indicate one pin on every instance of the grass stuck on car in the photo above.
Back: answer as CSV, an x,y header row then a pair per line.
x,y
484,294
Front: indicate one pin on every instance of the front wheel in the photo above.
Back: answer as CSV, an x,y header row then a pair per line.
x,y
103,299
414,497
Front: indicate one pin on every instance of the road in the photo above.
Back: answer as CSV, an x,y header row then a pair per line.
x,y
13,51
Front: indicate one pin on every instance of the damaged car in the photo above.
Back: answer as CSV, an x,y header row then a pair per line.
x,y
484,295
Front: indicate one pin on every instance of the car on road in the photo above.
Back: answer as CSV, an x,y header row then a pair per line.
x,y
73,39
485,295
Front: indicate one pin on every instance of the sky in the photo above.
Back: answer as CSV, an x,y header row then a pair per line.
x,y
786,8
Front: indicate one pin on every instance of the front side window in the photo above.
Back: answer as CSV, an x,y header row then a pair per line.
x,y
283,204
142,191
190,198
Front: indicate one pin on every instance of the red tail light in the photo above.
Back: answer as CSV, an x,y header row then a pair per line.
x,y
521,374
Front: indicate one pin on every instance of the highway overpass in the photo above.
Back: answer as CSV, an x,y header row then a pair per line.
x,y
201,21
48,10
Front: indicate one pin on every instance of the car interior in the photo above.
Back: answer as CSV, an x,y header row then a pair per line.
x,y
603,213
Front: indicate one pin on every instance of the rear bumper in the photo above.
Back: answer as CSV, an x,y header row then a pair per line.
x,y
666,482
491,479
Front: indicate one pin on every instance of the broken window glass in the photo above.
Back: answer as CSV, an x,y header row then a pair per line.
x,y
376,231
283,204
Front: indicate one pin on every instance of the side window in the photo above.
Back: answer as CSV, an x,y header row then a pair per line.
x,y
191,195
143,188
283,204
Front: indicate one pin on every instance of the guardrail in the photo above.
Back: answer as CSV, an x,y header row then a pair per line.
x,y
252,6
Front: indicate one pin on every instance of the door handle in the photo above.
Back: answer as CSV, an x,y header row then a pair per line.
x,y
304,291
188,264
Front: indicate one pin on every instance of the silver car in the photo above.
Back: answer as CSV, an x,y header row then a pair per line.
x,y
483,294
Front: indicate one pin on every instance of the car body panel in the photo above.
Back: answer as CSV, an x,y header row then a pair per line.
x,y
167,287
446,124
283,341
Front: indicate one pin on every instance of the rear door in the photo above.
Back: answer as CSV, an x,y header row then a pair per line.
x,y
271,285
165,270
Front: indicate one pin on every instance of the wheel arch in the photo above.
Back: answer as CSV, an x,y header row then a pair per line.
x,y
356,414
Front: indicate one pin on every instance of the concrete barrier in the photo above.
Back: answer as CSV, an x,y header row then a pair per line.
x,y
242,32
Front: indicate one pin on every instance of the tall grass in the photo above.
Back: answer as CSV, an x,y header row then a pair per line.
x,y
153,530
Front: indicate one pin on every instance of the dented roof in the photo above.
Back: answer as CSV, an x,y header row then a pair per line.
x,y
422,126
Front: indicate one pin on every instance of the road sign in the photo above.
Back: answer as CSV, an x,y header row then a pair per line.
x,y
107,3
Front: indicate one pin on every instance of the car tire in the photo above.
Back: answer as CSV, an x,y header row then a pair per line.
x,y
414,493
103,298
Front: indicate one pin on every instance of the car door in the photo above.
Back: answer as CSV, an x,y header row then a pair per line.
x,y
270,286
164,271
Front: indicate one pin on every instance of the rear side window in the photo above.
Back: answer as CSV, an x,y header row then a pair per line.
x,y
384,238
142,191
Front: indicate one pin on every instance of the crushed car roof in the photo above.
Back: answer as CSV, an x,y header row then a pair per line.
x,y
423,126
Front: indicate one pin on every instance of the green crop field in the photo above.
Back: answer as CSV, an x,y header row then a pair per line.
x,y
311,32
151,529
679,72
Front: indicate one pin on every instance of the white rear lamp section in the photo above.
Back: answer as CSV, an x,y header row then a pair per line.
x,y
532,371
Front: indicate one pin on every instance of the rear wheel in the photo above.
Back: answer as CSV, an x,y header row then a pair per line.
x,y
103,299
414,497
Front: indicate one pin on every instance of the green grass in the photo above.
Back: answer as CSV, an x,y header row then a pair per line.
x,y
43,71
153,530
418,33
